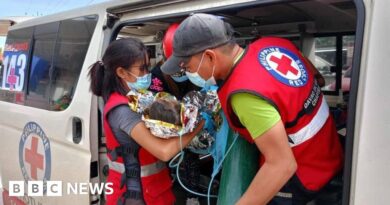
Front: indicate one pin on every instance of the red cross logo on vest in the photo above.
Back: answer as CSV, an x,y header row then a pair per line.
x,y
12,79
33,158
284,65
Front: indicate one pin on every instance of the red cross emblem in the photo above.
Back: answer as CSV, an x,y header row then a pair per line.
x,y
12,79
34,158
284,65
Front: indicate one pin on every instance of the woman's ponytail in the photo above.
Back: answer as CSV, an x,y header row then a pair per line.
x,y
96,74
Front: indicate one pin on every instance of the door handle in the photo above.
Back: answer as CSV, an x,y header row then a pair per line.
x,y
77,130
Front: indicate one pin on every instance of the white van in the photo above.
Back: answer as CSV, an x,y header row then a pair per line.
x,y
50,123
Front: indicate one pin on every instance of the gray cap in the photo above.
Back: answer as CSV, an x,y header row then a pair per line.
x,y
196,33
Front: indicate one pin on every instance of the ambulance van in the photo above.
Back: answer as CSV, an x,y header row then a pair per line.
x,y
51,124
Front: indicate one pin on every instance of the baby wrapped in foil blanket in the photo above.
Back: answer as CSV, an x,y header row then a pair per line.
x,y
167,117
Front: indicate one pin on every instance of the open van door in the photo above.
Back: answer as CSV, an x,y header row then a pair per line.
x,y
323,30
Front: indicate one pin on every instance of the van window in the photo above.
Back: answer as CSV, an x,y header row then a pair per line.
x,y
325,59
71,49
334,67
41,64
348,47
57,55
15,65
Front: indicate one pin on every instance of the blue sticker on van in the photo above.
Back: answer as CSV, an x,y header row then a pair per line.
x,y
34,154
15,63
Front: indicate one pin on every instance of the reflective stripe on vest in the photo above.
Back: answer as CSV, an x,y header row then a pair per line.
x,y
146,170
116,166
154,168
314,126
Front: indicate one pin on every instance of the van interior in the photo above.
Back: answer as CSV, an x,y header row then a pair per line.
x,y
324,31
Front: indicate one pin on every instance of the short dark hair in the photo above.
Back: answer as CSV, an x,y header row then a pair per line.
x,y
120,53
228,47
165,110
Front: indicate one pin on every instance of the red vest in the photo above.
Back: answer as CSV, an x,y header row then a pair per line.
x,y
273,69
155,178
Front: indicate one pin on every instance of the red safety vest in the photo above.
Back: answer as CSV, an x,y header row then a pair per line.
x,y
155,178
273,69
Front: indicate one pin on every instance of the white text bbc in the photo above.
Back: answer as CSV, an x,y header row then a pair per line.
x,y
55,188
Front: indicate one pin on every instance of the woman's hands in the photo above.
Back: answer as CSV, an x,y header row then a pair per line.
x,y
196,130
163,149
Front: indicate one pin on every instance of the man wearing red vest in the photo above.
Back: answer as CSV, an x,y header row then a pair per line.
x,y
270,96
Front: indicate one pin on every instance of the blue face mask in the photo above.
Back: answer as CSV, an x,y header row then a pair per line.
x,y
180,79
142,83
197,80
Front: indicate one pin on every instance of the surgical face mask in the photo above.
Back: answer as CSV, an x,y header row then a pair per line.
x,y
142,83
196,79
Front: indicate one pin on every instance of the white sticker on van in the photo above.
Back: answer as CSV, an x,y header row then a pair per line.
x,y
34,154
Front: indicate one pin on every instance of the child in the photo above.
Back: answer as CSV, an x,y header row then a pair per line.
x,y
166,117
169,118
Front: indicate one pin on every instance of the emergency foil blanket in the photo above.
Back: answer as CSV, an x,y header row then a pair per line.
x,y
195,106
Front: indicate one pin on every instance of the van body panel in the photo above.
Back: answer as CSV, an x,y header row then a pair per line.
x,y
184,7
69,160
371,156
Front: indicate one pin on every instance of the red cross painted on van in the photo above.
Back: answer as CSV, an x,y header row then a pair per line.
x,y
35,154
33,158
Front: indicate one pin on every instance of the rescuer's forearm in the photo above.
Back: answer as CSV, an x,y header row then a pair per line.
x,y
277,169
267,182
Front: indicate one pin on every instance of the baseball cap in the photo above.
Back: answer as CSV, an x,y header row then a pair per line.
x,y
196,33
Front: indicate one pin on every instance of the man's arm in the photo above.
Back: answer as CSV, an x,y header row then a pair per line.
x,y
278,168
263,122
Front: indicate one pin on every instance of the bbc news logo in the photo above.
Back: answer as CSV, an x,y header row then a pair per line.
x,y
56,188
